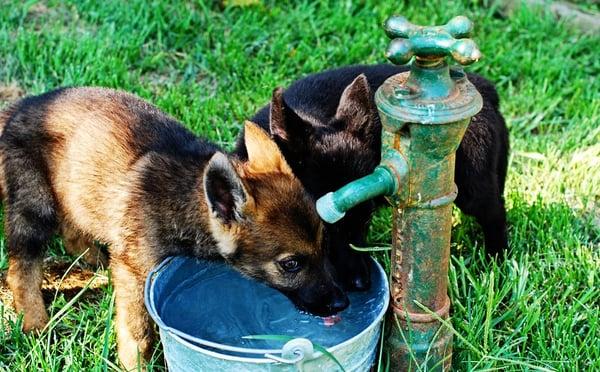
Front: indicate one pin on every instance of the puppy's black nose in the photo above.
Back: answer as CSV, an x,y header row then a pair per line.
x,y
339,303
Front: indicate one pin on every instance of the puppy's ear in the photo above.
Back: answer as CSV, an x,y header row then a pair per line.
x,y
225,193
284,123
357,107
263,154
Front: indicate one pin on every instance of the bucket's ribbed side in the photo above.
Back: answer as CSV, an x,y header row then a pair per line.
x,y
356,357
181,358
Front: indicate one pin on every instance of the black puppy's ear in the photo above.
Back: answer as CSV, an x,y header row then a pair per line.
x,y
225,193
285,124
357,107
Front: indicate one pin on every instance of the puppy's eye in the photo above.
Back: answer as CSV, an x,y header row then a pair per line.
x,y
291,265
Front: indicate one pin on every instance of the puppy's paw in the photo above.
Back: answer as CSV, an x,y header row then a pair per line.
x,y
35,320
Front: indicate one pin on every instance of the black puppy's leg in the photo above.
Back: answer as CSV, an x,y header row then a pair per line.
x,y
30,222
351,268
480,197
492,217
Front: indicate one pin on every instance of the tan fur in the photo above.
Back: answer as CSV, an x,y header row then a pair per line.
x,y
265,162
4,116
227,235
263,154
94,171
93,180
28,295
77,244
135,335
92,156
269,202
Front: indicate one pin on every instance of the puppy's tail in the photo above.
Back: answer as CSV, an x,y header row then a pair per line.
x,y
5,116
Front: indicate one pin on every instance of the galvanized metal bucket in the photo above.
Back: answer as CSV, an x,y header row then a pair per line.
x,y
184,352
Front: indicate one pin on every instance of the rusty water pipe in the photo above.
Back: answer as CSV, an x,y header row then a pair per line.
x,y
424,113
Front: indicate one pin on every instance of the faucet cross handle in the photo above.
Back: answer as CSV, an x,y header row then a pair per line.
x,y
431,43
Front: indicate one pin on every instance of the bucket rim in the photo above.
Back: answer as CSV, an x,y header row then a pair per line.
x,y
194,342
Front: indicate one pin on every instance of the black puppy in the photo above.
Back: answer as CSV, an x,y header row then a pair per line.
x,y
329,131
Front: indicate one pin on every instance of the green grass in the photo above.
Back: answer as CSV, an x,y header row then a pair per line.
x,y
212,67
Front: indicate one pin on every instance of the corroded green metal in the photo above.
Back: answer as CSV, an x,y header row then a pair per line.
x,y
424,114
431,42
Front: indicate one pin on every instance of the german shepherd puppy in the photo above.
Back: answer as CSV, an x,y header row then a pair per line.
x,y
329,131
99,164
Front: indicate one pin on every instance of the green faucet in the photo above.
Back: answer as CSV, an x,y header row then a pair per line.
x,y
424,113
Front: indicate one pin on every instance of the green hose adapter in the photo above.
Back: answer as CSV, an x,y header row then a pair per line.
x,y
386,180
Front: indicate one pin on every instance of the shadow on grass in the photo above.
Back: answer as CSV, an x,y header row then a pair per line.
x,y
532,228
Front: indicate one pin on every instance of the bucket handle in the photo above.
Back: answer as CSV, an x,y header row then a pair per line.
x,y
295,351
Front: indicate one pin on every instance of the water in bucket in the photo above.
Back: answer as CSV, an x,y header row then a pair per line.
x,y
211,301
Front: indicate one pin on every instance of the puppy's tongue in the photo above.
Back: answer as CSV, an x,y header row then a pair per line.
x,y
331,320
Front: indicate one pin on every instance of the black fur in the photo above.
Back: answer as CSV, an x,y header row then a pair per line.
x,y
32,218
31,209
311,108
172,194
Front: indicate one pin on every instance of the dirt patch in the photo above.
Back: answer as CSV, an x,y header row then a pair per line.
x,y
587,19
38,10
10,93
73,282
62,14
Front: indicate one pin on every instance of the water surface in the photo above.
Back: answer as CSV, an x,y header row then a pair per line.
x,y
211,301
